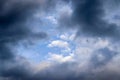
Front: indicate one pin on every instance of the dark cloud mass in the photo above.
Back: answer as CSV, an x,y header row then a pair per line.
x,y
89,14
102,57
87,17
13,15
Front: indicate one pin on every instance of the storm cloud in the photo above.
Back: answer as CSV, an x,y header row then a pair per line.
x,y
88,17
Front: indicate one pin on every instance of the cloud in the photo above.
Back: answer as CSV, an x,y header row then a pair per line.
x,y
60,58
52,19
21,69
63,46
99,68
102,57
86,63
91,59
12,25
13,29
59,43
67,37
88,17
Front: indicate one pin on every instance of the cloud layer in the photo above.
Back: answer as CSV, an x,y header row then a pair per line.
x,y
94,56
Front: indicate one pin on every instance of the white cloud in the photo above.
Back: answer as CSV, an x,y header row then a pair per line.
x,y
68,37
64,45
59,43
60,58
64,37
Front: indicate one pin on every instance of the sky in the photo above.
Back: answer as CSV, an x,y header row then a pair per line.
x,y
59,40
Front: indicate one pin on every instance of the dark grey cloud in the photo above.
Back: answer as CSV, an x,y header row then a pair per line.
x,y
15,69
115,4
13,29
13,16
116,17
102,57
88,18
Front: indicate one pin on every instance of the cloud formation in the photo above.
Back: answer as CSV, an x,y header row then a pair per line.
x,y
91,59
88,18
13,29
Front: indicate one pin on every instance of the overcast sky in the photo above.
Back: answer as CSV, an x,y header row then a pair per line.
x,y
59,40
